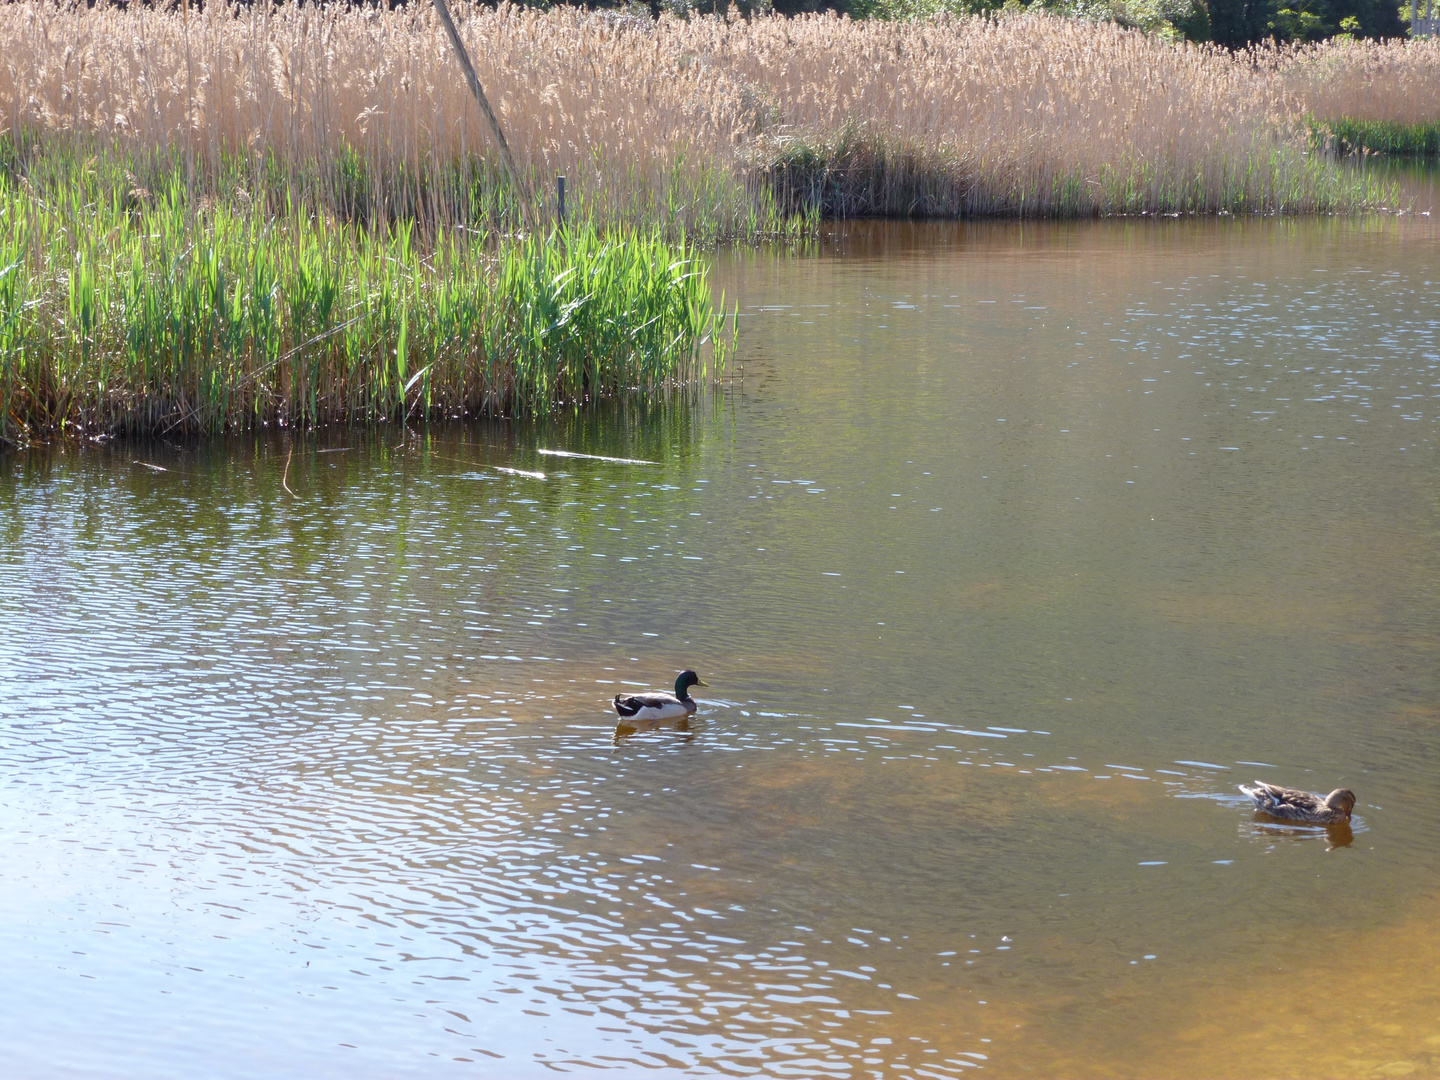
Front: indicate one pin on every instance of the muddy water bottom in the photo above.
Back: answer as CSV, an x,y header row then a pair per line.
x,y
1012,552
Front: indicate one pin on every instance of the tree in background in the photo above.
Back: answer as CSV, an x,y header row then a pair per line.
x,y
1176,19
1237,23
1231,23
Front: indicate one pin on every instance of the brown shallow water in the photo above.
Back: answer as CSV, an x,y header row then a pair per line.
x,y
1016,547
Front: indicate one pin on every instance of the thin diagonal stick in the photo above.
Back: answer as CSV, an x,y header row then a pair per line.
x,y
506,157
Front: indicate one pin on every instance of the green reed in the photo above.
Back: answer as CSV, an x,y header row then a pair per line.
x,y
160,308
1348,136
859,171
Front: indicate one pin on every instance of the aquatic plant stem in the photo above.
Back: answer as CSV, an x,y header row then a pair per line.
x,y
285,477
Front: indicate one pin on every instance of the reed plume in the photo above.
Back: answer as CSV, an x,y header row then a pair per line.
x,y
258,214
1365,95
1396,82
698,125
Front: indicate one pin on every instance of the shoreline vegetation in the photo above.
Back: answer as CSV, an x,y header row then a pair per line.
x,y
713,128
293,215
155,311
1367,97
1350,136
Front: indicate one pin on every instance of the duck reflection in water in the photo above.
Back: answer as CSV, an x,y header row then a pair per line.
x,y
625,728
1338,835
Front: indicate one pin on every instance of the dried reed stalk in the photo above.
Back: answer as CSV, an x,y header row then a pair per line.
x,y
1396,82
497,133
671,121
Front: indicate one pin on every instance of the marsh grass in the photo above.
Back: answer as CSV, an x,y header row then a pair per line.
x,y
289,214
1348,136
128,309
1029,116
862,172
710,128
1388,82
1364,96
363,113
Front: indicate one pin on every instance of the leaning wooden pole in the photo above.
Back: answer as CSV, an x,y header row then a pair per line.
x,y
506,158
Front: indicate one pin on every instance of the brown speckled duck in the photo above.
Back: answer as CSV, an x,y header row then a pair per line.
x,y
1288,804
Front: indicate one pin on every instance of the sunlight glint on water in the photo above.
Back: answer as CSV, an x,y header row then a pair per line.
x,y
1014,551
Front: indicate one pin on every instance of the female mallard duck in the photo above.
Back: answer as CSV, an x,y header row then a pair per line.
x,y
658,705
1288,804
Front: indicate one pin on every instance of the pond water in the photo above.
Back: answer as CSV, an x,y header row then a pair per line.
x,y
1007,552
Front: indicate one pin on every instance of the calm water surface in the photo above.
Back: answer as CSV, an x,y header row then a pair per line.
x,y
1016,547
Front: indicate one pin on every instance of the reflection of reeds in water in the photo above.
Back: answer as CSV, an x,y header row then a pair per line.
x,y
670,431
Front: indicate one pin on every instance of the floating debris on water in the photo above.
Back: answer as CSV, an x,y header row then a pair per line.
x,y
597,457
519,472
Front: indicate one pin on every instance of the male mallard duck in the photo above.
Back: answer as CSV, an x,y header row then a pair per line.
x,y
1288,804
658,705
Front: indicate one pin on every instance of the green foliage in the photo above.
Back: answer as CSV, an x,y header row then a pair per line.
x,y
1289,24
1175,19
915,9
1377,137
1232,23
859,171
1237,23
161,309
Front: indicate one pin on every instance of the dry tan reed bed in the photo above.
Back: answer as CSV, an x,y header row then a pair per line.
x,y
1396,82
691,123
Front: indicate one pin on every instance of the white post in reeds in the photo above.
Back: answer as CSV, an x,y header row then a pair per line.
x,y
1426,25
506,158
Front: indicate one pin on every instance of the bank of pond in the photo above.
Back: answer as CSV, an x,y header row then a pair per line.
x,y
288,215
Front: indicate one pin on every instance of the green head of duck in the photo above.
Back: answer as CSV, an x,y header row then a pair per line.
x,y
687,679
